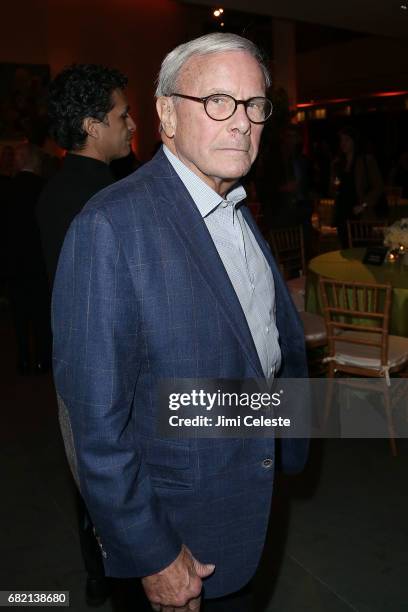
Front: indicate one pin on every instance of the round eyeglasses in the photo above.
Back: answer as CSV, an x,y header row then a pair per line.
x,y
222,106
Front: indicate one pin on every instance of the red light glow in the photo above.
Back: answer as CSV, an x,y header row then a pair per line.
x,y
389,94
380,94
321,102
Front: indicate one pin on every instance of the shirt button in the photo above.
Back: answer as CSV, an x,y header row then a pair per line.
x,y
267,463
267,330
224,204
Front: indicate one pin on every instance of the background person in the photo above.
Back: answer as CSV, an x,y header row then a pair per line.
x,y
28,286
89,118
358,184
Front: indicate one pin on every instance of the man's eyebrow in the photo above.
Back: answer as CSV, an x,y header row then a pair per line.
x,y
229,92
220,90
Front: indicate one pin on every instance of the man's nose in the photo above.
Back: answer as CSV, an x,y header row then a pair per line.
x,y
131,124
240,121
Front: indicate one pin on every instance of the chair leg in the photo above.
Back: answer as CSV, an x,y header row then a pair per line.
x,y
391,432
315,356
329,394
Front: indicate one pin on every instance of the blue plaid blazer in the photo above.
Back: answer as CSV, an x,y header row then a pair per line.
x,y
141,294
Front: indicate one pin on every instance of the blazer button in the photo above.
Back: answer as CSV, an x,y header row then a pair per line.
x,y
267,463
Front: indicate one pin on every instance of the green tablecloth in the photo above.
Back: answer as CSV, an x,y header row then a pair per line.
x,y
347,265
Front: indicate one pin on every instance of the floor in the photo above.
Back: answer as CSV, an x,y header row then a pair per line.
x,y
337,541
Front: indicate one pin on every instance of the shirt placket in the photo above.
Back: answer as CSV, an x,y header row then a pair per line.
x,y
243,248
265,312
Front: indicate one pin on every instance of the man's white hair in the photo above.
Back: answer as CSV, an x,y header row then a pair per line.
x,y
218,42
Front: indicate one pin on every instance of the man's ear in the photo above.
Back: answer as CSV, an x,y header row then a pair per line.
x,y
91,126
167,115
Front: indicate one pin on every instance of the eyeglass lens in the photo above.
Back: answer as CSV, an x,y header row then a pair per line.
x,y
221,107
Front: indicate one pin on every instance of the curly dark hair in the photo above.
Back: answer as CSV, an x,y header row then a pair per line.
x,y
80,91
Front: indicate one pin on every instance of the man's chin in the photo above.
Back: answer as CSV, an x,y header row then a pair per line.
x,y
234,164
234,172
123,153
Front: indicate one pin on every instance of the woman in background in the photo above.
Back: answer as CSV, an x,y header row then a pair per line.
x,y
358,185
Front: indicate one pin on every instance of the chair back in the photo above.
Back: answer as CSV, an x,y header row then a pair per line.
x,y
288,248
350,307
365,233
324,208
393,195
323,224
397,205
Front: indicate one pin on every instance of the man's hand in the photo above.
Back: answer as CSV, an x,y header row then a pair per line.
x,y
178,586
359,209
192,606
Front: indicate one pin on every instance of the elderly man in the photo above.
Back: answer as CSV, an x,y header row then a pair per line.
x,y
165,276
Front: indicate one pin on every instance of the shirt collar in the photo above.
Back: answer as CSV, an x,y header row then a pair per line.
x,y
205,198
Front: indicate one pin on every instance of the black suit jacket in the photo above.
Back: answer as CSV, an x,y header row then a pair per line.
x,y
63,198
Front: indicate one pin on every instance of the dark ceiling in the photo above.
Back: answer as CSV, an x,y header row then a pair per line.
x,y
380,17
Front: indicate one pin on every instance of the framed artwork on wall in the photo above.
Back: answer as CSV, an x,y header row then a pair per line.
x,y
23,110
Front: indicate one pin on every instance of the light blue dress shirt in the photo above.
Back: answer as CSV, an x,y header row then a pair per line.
x,y
243,260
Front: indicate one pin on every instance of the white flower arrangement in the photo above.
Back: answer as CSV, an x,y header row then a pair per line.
x,y
396,235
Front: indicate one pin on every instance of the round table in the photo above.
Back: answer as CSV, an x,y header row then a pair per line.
x,y
348,265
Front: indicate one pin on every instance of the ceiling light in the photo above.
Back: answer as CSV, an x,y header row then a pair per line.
x,y
404,7
217,13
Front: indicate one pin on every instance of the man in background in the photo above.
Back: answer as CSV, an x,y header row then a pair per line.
x,y
89,118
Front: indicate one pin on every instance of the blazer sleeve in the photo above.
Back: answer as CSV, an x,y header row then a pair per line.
x,y
96,363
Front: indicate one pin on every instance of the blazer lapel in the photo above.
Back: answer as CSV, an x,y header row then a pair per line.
x,y
186,220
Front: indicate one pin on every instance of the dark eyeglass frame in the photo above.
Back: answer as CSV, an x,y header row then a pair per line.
x,y
246,103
